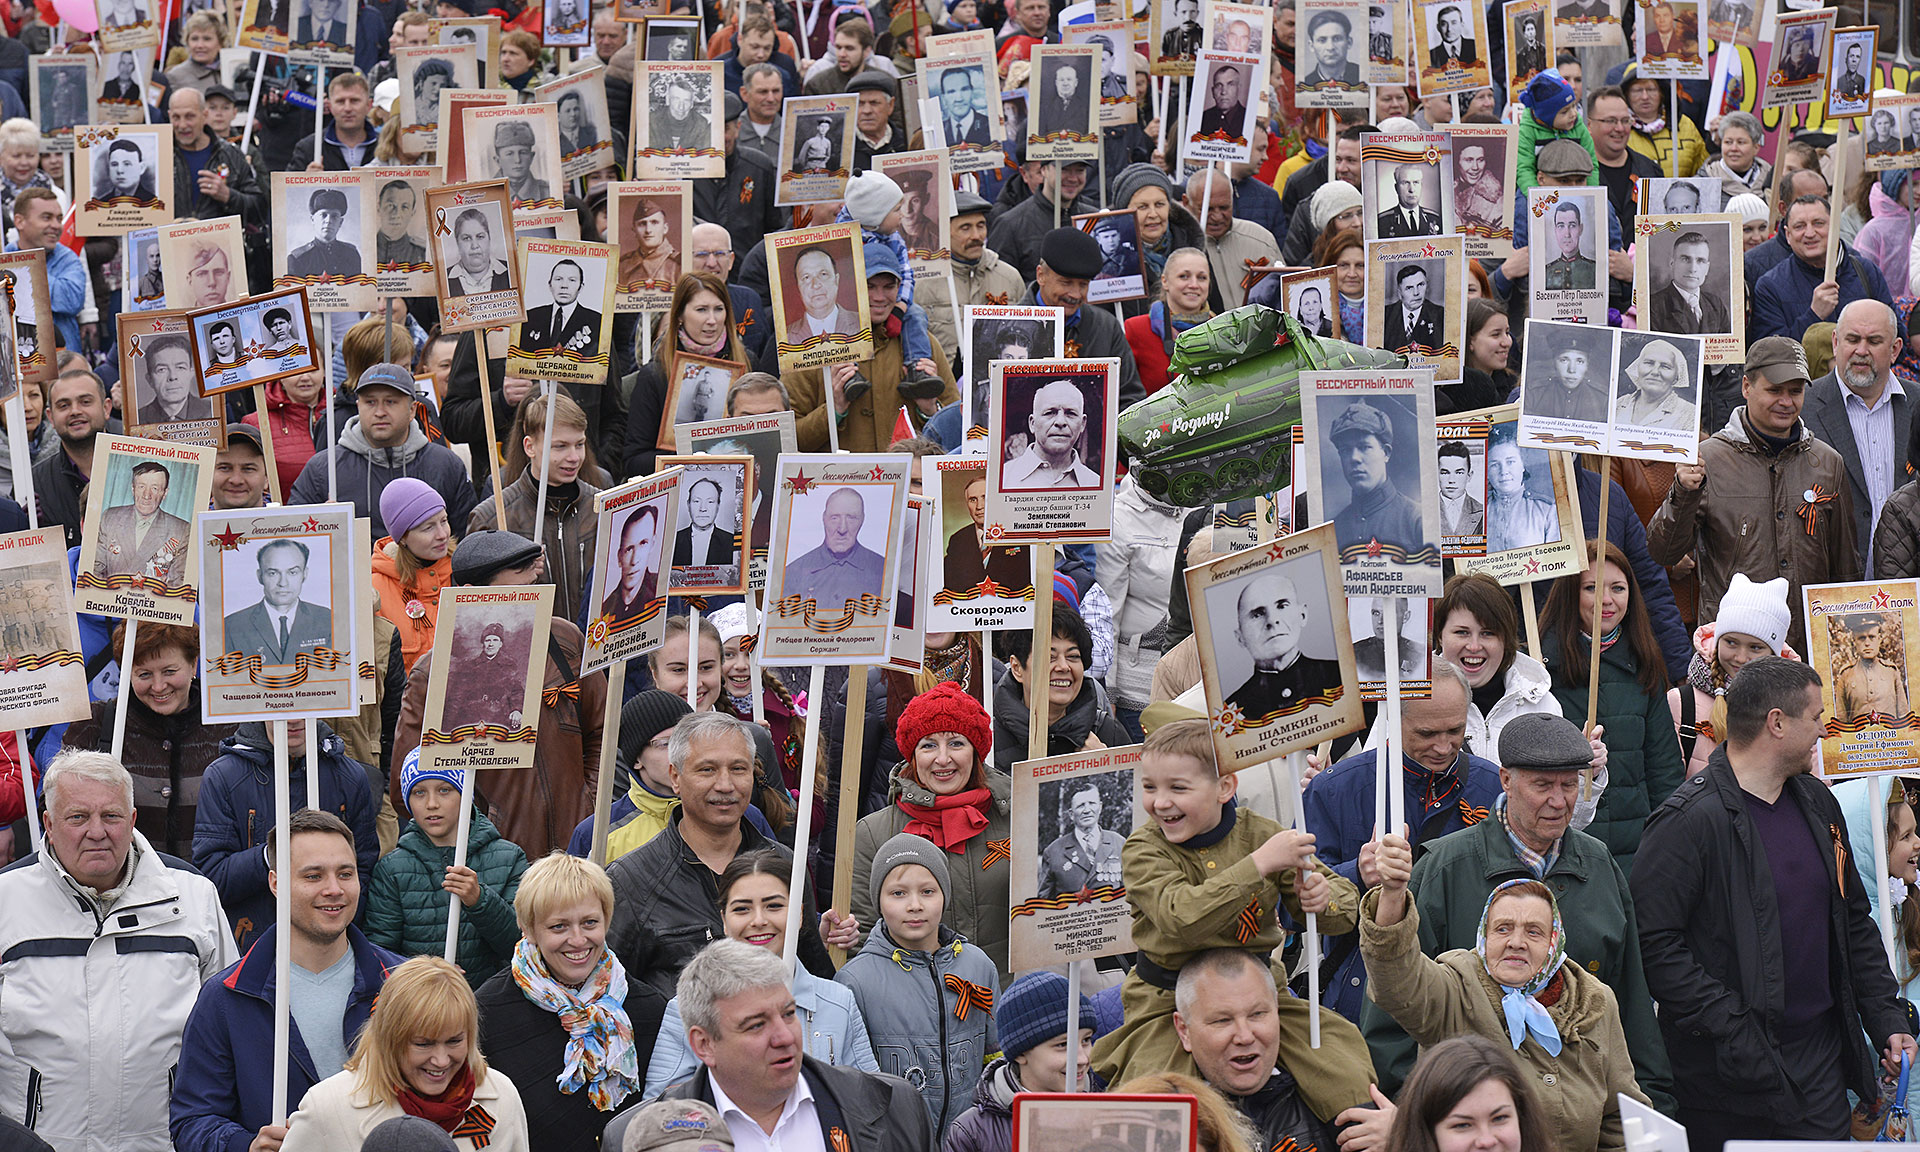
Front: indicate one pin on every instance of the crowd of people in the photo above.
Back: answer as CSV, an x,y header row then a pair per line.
x,y
1639,892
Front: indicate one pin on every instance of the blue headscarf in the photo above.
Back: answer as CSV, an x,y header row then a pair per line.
x,y
1525,1014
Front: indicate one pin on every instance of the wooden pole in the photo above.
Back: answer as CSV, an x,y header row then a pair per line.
x,y
493,436
266,443
609,746
852,753
326,397
546,450
1531,616
16,419
1396,792
1039,660
693,658
803,826
1593,663
1842,179
283,920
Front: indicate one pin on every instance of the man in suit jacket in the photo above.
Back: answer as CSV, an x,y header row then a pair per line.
x,y
563,326
281,625
1865,343
319,26
1061,110
1085,855
1407,217
969,561
1684,304
1331,35
1229,113
820,312
138,539
1453,49
701,543
125,86
962,123
1415,319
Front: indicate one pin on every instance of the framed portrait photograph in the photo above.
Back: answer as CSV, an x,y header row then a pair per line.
x,y
697,392
816,148
926,206
1461,459
519,144
44,674
323,238
1450,40
820,296
974,584
1063,105
568,331
137,558
24,275
716,507
1681,196
160,394
482,32
1850,88
579,102
1567,253
1070,816
478,281
451,137
566,24
762,437
1656,406
1589,23
1860,640
125,174
127,25
1235,27
1485,166
1373,476
1668,40
1329,46
143,276
1533,525
679,125
205,261
403,263
671,39
1006,332
64,88
637,11
1311,298
1565,382
836,521
1416,302
483,684
1153,1123
635,526
1893,132
1219,121
1276,658
1114,39
9,356
121,97
262,338
264,25
967,86
1734,21
1175,36
1389,42
1122,270
1367,622
423,72
1689,278
1529,43
1053,439
1799,63
1406,185
323,33
653,222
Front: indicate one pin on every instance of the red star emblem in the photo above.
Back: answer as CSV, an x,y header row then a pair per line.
x,y
311,525
10,664
159,326
879,472
229,540
798,483
1373,549
989,588
1276,551
1880,599
1084,895
1533,565
1168,427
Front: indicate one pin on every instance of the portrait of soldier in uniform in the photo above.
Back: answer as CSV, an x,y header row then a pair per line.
x,y
1875,687
1268,622
139,538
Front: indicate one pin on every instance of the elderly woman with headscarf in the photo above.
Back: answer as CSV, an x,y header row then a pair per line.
x,y
1655,402
1514,988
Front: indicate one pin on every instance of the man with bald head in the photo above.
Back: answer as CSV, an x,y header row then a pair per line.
x,y
1860,410
1231,243
1269,623
1056,433
841,570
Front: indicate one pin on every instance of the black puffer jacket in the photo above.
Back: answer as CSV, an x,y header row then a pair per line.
x,y
1088,713
1896,545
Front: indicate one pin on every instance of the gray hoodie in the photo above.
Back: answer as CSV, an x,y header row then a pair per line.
x,y
362,472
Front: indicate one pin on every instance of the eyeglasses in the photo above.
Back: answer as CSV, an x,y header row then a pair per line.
x,y
722,254
1614,121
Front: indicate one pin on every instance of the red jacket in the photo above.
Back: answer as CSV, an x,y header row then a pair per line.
x,y
13,804
295,427
1149,352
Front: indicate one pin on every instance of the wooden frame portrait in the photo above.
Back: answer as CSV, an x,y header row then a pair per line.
x,y
483,685
1395,549
262,338
697,389
160,388
567,334
324,238
45,672
820,309
826,602
1850,86
205,262
137,555
1174,36
653,222
264,25
1053,470
1527,60
1311,298
679,127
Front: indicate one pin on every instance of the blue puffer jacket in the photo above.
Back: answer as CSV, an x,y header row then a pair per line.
x,y
235,818
406,908
1340,814
914,1017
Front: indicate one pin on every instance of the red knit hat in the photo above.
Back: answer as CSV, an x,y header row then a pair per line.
x,y
947,708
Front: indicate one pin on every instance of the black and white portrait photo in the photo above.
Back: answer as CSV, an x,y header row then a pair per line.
x,y
1311,301
322,22
1367,618
1692,269
1056,421
165,388
1683,196
289,608
122,14
713,514
1463,488
964,115
486,681
563,305
566,24
672,39
146,283
123,170
1658,383
700,387
1084,822
63,87
1334,56
1272,635
818,147
400,238
1529,45
838,537
1178,25
1564,258
1850,85
126,78
1370,472
1883,133
991,338
320,237
1521,512
680,113
1227,85
473,259
1450,32
423,73
514,151
1566,372
1415,316
1409,198
1122,271
583,120
634,566
1063,98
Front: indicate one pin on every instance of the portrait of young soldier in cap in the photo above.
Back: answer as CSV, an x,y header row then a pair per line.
x,y
326,255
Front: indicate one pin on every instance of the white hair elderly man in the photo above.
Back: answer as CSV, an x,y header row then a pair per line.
x,y
104,945
741,1023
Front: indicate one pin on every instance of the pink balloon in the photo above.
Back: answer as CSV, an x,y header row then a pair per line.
x,y
79,13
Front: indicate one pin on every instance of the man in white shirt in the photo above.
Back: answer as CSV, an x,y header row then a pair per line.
x,y
280,624
821,314
1052,457
1860,410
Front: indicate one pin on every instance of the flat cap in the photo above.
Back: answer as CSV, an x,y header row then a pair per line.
x,y
1778,359
324,198
274,314
1071,253
1543,742
873,80
1564,159
486,553
221,91
1362,419
965,203
734,107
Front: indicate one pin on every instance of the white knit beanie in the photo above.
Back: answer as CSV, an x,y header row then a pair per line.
x,y
870,196
1398,125
1747,206
1331,200
1756,610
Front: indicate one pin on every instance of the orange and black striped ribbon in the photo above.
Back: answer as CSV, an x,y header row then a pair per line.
x,y
1247,925
968,996
552,695
476,1125
997,850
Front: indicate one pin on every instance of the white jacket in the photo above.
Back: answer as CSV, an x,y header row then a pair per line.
x,y
336,1117
92,1006
1136,569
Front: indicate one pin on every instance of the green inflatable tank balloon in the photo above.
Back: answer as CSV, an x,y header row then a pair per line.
x,y
1222,429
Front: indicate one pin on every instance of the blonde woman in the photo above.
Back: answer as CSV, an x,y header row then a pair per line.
x,y
419,1056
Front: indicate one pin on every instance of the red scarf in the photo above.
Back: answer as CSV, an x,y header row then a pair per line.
x,y
952,821
449,1108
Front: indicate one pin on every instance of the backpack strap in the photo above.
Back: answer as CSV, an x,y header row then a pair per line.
x,y
1688,728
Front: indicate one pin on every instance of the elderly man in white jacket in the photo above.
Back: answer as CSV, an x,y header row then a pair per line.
x,y
104,943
